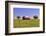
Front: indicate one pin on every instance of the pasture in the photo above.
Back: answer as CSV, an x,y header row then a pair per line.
x,y
26,23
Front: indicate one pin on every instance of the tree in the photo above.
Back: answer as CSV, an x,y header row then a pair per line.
x,y
23,17
18,17
35,17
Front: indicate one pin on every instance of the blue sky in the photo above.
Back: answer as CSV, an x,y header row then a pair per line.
x,y
25,11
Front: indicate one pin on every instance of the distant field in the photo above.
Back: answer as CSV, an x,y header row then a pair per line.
x,y
26,23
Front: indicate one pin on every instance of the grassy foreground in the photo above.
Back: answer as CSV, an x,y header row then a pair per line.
x,y
26,23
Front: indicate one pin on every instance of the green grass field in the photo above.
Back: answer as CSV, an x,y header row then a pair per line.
x,y
26,23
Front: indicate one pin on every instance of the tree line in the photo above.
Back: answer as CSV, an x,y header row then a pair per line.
x,y
35,17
